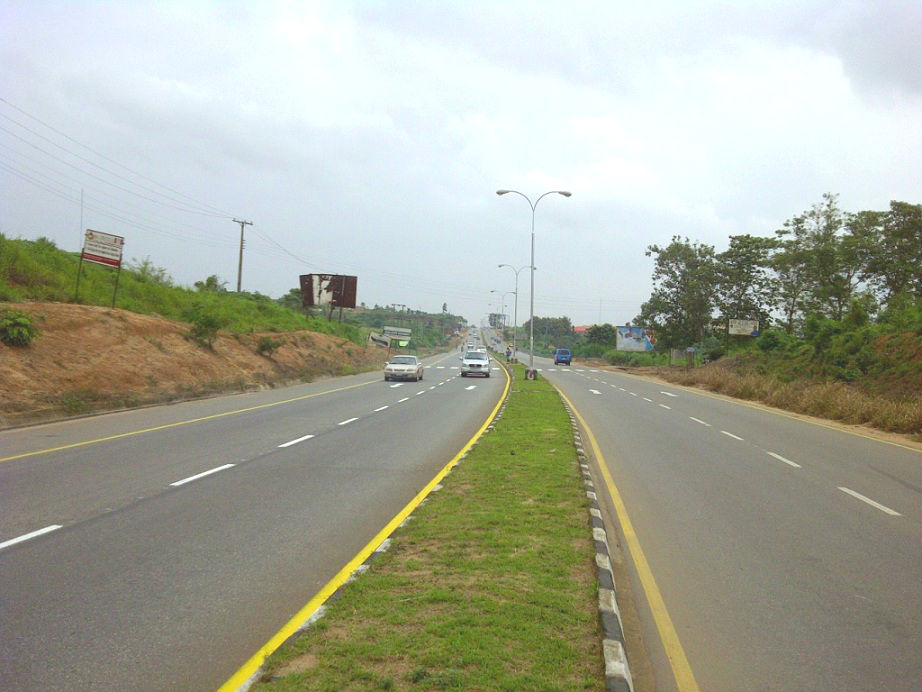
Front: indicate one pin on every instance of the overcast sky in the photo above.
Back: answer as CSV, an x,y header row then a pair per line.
x,y
370,137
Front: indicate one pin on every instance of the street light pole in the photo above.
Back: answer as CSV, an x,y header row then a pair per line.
x,y
502,308
515,315
530,374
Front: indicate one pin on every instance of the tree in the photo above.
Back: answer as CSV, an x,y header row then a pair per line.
x,y
746,286
684,291
212,284
890,247
604,334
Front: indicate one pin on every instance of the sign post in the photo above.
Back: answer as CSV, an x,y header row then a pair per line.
x,y
101,248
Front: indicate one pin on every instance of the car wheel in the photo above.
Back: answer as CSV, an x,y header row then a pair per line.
x,y
486,374
420,376
387,379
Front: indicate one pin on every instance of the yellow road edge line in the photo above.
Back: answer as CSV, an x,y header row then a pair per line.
x,y
248,669
681,669
180,423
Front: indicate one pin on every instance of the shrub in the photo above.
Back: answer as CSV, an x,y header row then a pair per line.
x,y
267,345
16,328
205,326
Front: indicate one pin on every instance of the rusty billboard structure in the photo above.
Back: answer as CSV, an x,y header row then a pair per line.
x,y
335,290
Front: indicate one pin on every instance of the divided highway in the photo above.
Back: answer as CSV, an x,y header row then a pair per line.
x,y
788,554
158,549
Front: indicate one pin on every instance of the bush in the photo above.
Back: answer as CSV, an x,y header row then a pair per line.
x,y
205,326
267,345
16,328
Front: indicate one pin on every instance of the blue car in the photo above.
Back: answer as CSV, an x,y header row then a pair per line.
x,y
562,356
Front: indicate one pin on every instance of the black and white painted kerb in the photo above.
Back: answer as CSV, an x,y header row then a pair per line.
x,y
617,671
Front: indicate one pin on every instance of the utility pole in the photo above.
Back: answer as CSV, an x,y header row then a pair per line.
x,y
240,261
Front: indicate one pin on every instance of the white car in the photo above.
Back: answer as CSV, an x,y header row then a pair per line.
x,y
475,363
403,368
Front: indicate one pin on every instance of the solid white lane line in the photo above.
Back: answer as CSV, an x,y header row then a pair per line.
x,y
786,461
380,408
666,407
294,442
729,434
646,399
669,394
698,420
28,536
202,475
406,398
347,421
473,386
882,508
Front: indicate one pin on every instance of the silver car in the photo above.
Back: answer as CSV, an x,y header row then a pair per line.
x,y
403,368
475,363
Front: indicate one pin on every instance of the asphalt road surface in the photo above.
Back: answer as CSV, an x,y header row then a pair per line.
x,y
158,549
788,554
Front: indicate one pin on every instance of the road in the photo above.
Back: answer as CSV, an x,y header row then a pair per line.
x,y
189,534
788,554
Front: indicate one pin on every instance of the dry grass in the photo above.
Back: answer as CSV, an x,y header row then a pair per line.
x,y
830,400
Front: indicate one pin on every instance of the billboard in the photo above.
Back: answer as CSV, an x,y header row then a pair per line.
x,y
634,339
103,248
743,327
335,290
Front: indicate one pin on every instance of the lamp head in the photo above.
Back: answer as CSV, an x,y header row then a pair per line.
x,y
564,193
503,192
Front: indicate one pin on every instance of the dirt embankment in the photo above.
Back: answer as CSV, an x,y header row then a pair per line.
x,y
90,358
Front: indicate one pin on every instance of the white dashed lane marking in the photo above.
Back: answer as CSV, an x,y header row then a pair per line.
x,y
380,408
202,475
698,420
666,407
347,421
406,398
294,442
595,391
786,461
469,388
867,500
29,536
729,434
669,394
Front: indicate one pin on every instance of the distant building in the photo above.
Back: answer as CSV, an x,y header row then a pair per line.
x,y
581,330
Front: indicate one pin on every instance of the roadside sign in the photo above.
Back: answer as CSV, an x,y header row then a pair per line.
x,y
743,327
103,248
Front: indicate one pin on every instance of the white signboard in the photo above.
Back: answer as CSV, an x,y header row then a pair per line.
x,y
744,327
103,248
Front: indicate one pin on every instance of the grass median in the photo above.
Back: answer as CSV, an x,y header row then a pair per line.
x,y
490,586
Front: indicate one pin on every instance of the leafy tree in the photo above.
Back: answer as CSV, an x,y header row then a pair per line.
x,y
684,292
604,334
746,285
212,284
890,248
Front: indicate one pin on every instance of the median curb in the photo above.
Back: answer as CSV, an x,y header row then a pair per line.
x,y
617,672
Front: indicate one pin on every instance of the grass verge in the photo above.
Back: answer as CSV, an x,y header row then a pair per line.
x,y
491,586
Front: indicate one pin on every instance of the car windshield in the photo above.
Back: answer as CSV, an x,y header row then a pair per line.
x,y
403,360
475,355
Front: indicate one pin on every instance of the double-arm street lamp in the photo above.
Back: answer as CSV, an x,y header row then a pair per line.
x,y
502,308
515,314
531,336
